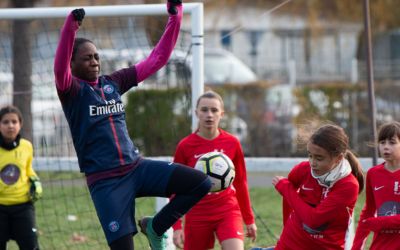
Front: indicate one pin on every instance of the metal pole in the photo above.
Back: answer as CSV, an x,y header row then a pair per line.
x,y
371,91
198,59
354,108
93,11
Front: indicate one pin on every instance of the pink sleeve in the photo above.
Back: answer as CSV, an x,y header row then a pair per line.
x,y
241,186
368,211
62,70
162,51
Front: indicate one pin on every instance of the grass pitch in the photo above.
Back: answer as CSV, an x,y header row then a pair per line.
x,y
67,219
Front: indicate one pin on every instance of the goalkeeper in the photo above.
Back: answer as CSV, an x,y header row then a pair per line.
x,y
115,172
19,184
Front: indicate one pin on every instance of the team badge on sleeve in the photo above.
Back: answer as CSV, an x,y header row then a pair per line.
x,y
108,89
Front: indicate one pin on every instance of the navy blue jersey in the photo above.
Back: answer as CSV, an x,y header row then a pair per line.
x,y
94,110
96,118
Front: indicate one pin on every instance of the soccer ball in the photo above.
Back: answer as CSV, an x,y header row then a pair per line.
x,y
219,168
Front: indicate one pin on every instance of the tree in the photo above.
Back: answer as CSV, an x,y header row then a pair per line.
x,y
22,67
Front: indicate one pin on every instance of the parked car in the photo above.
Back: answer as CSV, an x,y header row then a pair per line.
x,y
220,66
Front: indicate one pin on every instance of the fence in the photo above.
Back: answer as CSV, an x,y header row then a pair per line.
x,y
253,164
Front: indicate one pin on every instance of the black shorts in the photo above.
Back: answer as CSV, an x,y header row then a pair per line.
x,y
17,222
114,198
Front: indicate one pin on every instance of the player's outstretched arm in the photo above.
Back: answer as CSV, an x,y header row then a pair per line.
x,y
162,51
62,70
379,223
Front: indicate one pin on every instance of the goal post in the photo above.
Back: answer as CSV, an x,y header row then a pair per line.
x,y
194,10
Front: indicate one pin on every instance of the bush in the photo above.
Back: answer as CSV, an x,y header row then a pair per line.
x,y
158,119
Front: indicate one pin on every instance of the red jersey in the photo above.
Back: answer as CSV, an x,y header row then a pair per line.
x,y
381,213
315,217
188,152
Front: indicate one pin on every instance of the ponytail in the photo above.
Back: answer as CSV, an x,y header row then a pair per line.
x,y
356,169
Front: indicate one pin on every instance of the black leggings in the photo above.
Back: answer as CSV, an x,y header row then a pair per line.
x,y
17,223
188,187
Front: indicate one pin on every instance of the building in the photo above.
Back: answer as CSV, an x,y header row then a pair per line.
x,y
273,43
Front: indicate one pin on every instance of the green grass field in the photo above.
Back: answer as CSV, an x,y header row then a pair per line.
x,y
67,220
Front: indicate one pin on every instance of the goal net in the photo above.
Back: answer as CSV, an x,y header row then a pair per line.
x,y
123,35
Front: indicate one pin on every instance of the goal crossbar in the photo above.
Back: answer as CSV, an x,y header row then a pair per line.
x,y
103,10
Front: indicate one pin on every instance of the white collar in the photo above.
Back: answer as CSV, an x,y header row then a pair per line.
x,y
342,170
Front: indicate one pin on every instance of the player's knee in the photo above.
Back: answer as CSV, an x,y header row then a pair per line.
x,y
232,244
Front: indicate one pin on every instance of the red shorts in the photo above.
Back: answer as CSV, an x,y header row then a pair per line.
x,y
200,234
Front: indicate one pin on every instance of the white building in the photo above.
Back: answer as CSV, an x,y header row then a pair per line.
x,y
269,42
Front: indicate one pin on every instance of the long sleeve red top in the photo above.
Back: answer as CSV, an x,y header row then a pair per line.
x,y
381,212
190,149
315,217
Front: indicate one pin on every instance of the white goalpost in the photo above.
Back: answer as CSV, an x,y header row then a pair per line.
x,y
50,110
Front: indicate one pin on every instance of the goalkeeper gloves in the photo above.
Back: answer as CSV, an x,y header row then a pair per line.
x,y
36,190
171,6
78,14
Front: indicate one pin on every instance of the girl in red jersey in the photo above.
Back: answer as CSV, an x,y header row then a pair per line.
x,y
320,194
381,213
218,214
